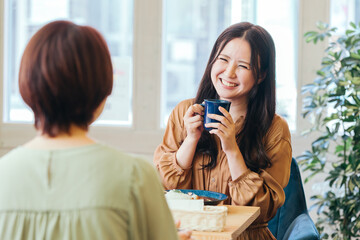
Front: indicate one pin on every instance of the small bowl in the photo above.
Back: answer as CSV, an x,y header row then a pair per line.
x,y
210,198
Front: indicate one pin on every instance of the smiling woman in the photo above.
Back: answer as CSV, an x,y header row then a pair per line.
x,y
231,74
246,154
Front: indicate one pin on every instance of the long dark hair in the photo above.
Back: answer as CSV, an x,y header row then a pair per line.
x,y
261,98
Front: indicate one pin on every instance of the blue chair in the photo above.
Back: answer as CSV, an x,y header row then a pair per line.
x,y
292,220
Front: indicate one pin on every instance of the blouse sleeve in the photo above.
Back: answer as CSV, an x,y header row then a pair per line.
x,y
265,189
172,175
149,214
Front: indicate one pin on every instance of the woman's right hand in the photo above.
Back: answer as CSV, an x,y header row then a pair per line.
x,y
193,121
184,235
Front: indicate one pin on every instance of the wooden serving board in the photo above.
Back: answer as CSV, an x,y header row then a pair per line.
x,y
238,219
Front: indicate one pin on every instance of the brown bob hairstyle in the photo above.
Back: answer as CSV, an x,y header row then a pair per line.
x,y
65,74
261,98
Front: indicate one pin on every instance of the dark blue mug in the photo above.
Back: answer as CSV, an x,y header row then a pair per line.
x,y
212,107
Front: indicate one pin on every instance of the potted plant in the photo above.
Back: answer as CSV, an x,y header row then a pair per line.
x,y
332,103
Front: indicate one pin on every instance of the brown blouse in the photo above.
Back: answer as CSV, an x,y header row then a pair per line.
x,y
263,189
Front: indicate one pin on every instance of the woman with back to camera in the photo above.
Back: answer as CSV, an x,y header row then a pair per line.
x,y
247,155
63,184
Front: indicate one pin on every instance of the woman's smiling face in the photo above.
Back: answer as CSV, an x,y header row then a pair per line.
x,y
231,72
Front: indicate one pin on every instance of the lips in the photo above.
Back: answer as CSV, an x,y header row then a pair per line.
x,y
227,83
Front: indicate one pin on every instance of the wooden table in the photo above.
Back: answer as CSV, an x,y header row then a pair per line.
x,y
237,220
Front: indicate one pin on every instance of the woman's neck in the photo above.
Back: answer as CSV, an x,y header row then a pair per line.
x,y
75,138
238,110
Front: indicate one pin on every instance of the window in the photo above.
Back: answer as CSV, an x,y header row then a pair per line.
x,y
190,30
144,37
112,18
342,12
282,25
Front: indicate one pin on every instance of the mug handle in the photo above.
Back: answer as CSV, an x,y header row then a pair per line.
x,y
202,104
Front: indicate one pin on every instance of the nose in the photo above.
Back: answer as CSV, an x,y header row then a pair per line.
x,y
230,70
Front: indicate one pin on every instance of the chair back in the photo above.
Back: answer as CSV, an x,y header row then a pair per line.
x,y
295,205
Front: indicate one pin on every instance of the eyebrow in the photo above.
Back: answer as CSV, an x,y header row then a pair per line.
x,y
239,61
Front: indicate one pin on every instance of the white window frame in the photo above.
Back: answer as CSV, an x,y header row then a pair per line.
x,y
145,133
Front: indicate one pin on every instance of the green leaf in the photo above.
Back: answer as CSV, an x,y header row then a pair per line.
x,y
354,55
311,38
339,148
351,186
358,224
353,25
321,25
308,87
356,181
327,60
348,32
305,114
355,80
320,73
310,33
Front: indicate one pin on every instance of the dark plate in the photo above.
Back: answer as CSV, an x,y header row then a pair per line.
x,y
210,198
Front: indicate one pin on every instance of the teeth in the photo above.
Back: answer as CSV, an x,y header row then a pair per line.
x,y
229,84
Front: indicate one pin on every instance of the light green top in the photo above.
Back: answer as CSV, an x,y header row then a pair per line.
x,y
89,192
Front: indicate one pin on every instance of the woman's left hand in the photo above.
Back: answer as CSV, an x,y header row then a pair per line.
x,y
225,130
183,234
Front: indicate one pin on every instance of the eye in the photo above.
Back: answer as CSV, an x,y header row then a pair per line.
x,y
222,59
244,66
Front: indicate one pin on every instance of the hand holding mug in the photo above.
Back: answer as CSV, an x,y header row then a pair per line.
x,y
212,107
218,121
193,121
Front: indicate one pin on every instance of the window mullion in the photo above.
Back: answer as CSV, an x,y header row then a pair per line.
x,y
147,65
